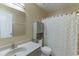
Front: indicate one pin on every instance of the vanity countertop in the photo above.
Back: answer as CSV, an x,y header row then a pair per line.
x,y
30,46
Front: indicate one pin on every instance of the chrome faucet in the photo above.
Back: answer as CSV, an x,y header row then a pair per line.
x,y
13,46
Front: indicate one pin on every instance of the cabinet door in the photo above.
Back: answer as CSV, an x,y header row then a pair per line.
x,y
40,27
36,52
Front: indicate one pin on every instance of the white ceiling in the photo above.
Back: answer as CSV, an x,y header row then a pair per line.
x,y
50,7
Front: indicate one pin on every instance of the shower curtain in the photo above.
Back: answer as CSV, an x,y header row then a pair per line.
x,y
61,34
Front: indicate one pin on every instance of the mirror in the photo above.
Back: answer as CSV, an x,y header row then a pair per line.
x,y
5,24
12,22
18,24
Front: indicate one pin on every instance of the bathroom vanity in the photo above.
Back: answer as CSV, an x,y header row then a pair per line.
x,y
32,49
36,52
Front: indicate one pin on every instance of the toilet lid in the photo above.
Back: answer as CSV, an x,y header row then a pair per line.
x,y
46,50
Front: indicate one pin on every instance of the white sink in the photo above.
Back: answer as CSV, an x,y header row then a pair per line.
x,y
16,52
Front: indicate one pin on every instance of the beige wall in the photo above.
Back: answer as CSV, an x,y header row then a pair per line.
x,y
66,9
33,13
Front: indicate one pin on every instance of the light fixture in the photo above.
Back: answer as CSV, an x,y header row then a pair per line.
x,y
17,6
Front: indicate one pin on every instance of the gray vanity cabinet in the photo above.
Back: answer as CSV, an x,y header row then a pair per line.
x,y
36,52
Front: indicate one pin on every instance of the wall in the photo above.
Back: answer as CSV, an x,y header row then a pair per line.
x,y
78,38
33,13
19,23
66,9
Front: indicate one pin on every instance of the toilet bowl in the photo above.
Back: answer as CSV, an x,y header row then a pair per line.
x,y
46,51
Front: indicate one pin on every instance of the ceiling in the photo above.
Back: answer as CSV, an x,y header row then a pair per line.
x,y
50,7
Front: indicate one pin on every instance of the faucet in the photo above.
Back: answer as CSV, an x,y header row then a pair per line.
x,y
13,46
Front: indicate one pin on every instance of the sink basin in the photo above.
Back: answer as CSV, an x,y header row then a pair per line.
x,y
16,51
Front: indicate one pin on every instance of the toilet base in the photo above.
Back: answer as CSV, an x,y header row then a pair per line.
x,y
45,55
42,54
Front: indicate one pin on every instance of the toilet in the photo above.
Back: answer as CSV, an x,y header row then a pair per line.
x,y
46,51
